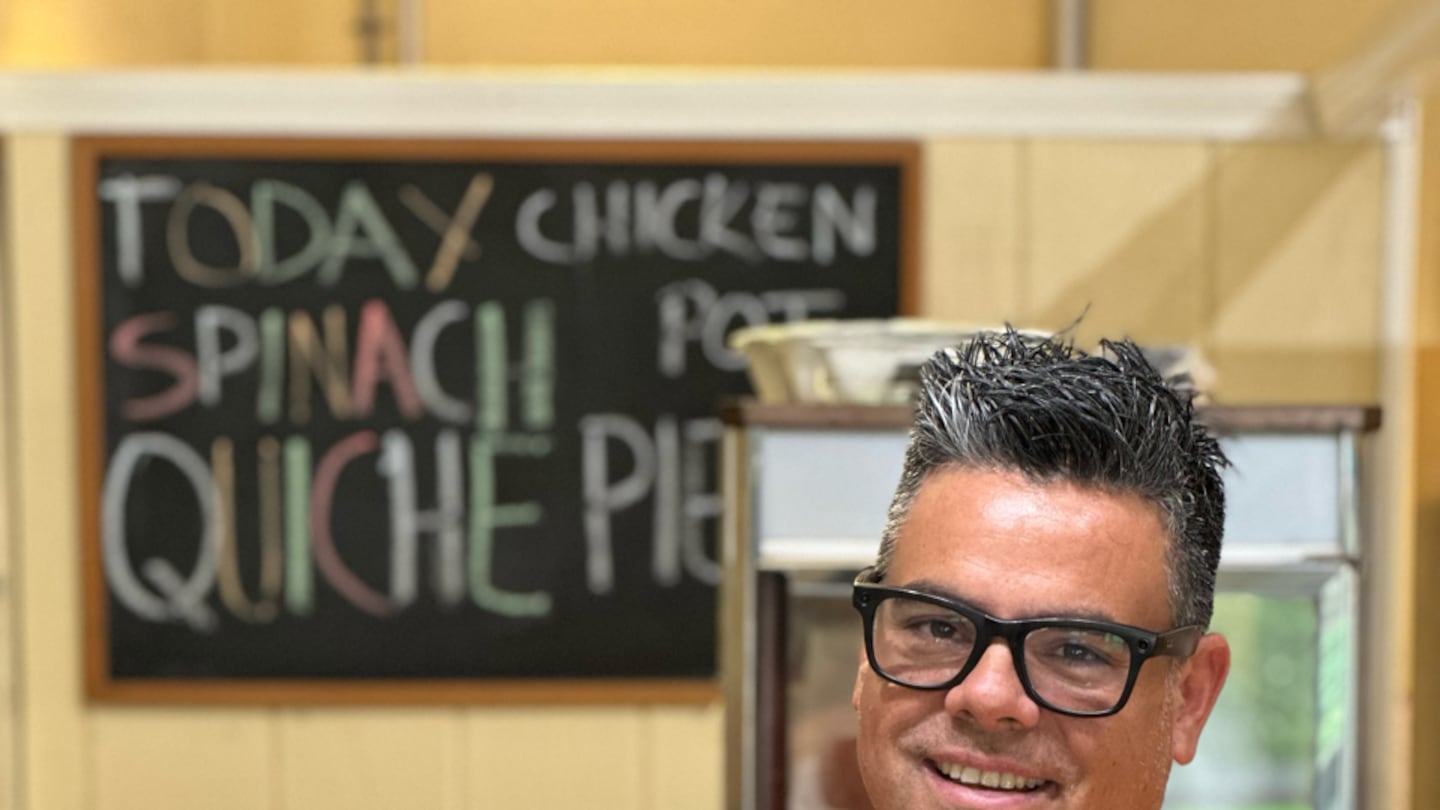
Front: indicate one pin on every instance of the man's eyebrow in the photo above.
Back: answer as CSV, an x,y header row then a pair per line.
x,y
937,589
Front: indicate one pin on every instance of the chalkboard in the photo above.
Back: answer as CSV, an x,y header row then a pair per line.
x,y
436,421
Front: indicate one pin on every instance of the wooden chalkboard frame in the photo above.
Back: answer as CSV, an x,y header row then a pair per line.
x,y
87,154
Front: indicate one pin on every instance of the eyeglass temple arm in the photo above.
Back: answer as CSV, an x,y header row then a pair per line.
x,y
1180,642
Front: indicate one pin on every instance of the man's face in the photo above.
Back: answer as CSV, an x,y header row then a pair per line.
x,y
1017,549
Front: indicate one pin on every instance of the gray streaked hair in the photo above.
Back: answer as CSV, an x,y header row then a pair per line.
x,y
1008,401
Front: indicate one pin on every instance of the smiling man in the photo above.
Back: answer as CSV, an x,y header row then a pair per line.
x,y
1035,623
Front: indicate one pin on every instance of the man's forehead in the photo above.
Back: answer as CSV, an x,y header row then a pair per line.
x,y
1005,487
1017,547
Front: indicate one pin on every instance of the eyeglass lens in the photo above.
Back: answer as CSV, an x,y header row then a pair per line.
x,y
1073,669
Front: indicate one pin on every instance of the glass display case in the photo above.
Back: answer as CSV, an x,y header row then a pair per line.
x,y
807,489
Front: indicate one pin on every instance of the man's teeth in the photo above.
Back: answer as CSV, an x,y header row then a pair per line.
x,y
989,779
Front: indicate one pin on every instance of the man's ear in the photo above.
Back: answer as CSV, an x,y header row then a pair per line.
x,y
1201,677
860,671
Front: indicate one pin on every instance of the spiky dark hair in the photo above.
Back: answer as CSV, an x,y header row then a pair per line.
x,y
1012,401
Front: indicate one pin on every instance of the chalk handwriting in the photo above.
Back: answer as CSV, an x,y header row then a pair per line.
x,y
691,311
171,595
127,193
358,229
230,342
297,537
691,219
477,377
671,465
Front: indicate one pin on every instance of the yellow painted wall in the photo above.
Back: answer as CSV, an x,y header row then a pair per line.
x,y
1266,256
1426,572
805,33
104,33
44,604
800,33
9,509
1301,35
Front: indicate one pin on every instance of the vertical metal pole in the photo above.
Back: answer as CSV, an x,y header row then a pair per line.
x,y
1070,34
368,28
410,30
737,616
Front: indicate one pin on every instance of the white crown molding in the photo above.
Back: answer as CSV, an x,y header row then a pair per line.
x,y
619,103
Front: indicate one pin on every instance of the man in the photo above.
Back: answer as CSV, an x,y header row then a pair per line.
x,y
1035,621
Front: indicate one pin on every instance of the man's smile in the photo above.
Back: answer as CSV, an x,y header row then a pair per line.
x,y
1001,780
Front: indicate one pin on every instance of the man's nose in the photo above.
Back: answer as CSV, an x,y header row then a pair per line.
x,y
992,693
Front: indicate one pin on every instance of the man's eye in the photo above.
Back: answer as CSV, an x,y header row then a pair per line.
x,y
936,629
1079,653
942,630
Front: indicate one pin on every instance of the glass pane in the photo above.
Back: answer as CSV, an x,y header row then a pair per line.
x,y
825,648
1257,751
1282,490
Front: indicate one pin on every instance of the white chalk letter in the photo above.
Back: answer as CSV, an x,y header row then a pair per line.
x,y
362,230
446,521
527,229
604,497
263,197
129,192
831,215
422,361
179,598
214,362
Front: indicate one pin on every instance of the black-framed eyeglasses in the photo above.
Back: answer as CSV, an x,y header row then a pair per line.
x,y
1076,667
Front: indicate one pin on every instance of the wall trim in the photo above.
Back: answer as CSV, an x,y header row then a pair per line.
x,y
663,104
